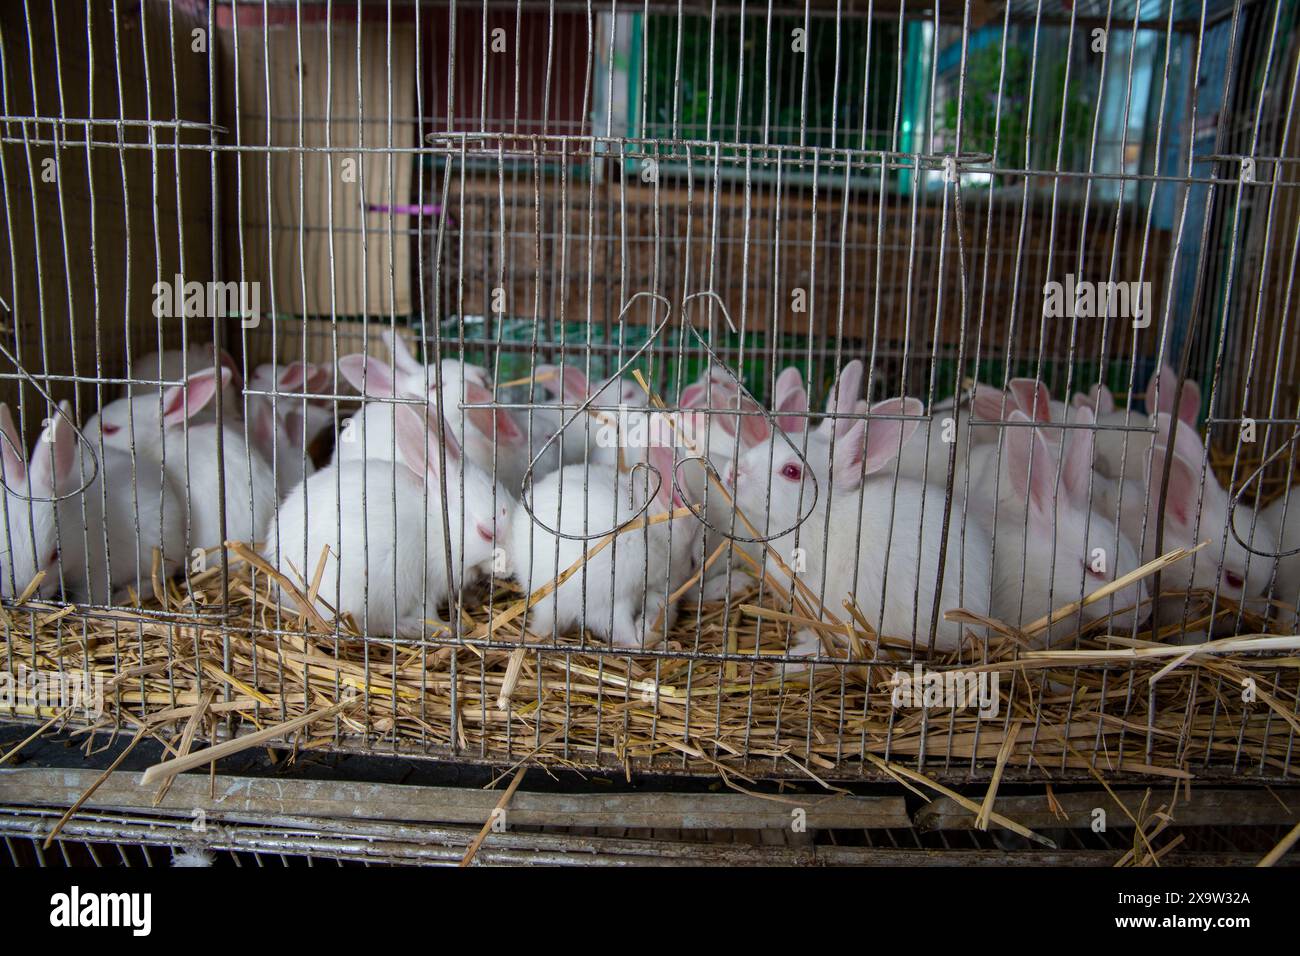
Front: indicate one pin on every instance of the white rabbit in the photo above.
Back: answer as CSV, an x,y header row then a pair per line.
x,y
282,426
421,377
1122,446
859,530
95,543
492,439
1193,514
1286,530
596,436
383,524
28,541
707,430
925,456
1046,535
161,430
173,365
624,588
704,405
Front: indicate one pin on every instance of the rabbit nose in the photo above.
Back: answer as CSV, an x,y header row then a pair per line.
x,y
485,533
731,476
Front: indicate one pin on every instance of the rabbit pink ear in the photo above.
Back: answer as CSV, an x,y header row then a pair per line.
x,y
888,435
403,360
790,396
1189,406
990,404
319,379
185,401
692,396
293,377
367,375
847,388
1103,399
1077,456
496,423
860,451
55,454
1183,501
416,437
1032,398
1160,396
754,428
1031,464
11,448
261,426
574,387
1098,398
228,361
660,458
476,374
547,379
1184,441
294,423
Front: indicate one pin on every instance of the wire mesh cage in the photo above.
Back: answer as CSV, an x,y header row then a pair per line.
x,y
845,389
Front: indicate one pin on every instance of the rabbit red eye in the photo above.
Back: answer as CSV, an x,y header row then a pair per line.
x,y
1234,581
54,556
792,471
111,430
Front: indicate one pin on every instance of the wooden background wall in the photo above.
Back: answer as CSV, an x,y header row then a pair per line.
x,y
78,273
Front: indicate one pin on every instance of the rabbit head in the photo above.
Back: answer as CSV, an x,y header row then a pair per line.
x,y
475,505
776,480
375,379
1196,511
298,420
1067,541
142,419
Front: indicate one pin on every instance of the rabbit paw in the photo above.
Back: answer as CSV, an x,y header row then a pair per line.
x,y
417,627
625,631
805,643
718,587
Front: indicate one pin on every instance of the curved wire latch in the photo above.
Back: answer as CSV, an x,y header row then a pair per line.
x,y
526,485
1235,499
21,453
711,472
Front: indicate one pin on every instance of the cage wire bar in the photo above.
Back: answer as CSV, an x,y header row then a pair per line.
x,y
365,232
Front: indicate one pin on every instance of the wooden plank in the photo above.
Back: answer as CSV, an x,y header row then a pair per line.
x,y
1245,807
90,242
250,797
394,842
302,214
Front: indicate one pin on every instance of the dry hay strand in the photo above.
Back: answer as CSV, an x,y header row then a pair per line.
x,y
717,698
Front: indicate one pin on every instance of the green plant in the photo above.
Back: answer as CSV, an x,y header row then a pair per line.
x,y
1009,112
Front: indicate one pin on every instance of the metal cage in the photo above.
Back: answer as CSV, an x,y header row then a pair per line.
x,y
479,212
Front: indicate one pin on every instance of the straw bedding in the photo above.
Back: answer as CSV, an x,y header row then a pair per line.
x,y
1105,704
